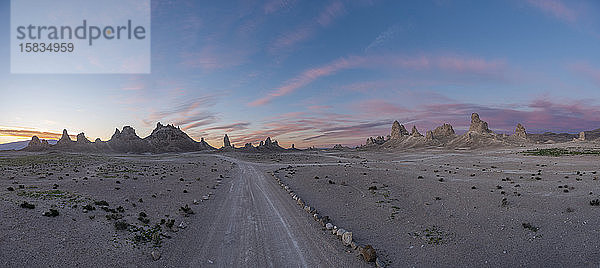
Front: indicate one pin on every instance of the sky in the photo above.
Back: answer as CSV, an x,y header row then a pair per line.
x,y
319,73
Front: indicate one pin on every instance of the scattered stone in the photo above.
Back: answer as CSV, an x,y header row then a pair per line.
x,y
155,255
329,226
51,213
368,253
347,238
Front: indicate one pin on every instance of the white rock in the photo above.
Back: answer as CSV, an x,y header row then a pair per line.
x,y
340,232
329,226
182,225
347,238
155,255
195,201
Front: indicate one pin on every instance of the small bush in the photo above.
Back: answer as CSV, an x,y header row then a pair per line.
x,y
101,203
51,213
27,205
121,225
529,226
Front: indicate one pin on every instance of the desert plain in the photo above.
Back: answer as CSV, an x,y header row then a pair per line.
x,y
534,205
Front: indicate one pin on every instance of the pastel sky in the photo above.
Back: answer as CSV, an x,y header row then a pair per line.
x,y
326,72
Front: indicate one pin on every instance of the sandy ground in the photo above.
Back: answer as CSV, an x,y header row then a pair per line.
x,y
440,208
416,208
241,217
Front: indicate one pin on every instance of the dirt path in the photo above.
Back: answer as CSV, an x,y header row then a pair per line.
x,y
253,223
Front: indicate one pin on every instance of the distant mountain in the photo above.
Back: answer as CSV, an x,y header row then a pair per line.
x,y
163,139
478,136
18,145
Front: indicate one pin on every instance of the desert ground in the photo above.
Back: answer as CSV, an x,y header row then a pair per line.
x,y
416,208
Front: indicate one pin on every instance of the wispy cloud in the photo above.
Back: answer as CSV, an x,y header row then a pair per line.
x,y
332,12
273,6
306,30
308,77
451,64
189,114
384,37
230,127
556,8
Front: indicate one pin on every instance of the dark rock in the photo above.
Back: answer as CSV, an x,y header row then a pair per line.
x,y
368,253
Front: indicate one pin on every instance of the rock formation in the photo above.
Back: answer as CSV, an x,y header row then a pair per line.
x,y
582,136
126,141
520,132
444,131
478,125
398,131
81,139
35,141
415,132
171,139
162,139
375,141
226,142
269,145
65,140
36,145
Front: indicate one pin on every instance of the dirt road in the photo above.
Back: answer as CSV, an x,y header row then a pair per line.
x,y
254,223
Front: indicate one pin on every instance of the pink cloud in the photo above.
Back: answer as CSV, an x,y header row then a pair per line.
x,y
292,38
214,57
470,65
555,8
539,115
374,118
452,64
307,29
376,106
332,12
308,77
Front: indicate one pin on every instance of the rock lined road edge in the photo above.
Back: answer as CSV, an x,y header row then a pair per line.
x,y
367,252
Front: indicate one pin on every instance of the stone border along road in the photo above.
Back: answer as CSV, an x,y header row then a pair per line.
x,y
367,252
254,224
